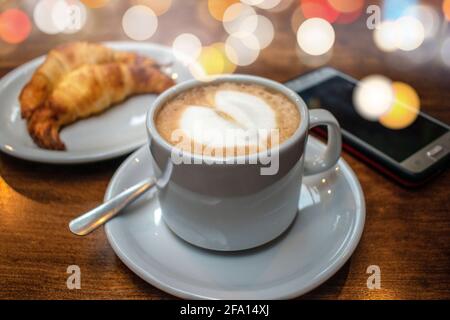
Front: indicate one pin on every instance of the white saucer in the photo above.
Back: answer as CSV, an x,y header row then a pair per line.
x,y
321,239
117,131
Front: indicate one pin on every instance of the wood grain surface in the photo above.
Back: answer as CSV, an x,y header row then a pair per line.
x,y
407,232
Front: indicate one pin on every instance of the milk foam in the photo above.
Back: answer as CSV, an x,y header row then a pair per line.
x,y
236,119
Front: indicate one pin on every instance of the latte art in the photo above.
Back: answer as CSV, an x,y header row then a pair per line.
x,y
227,119
236,119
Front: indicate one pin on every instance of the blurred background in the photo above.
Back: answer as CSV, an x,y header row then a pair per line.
x,y
406,42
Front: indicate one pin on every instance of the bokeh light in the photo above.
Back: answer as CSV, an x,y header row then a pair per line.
x,y
242,51
346,6
69,16
318,9
410,33
158,7
267,4
404,109
42,16
392,10
228,66
139,22
334,11
315,36
15,26
385,37
187,47
212,62
406,33
252,2
95,3
236,19
217,8
446,9
283,5
445,52
373,97
427,16
263,31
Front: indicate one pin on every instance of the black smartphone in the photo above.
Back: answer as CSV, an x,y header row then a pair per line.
x,y
411,155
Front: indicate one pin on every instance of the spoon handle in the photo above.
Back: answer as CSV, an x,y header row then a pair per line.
x,y
96,217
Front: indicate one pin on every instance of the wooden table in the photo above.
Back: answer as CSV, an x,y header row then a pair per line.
x,y
407,233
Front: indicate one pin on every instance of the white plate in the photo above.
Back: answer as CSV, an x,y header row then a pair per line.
x,y
322,238
117,131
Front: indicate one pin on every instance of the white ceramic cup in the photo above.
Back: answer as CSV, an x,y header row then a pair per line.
x,y
224,206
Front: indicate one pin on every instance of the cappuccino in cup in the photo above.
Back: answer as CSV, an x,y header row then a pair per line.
x,y
239,201
227,119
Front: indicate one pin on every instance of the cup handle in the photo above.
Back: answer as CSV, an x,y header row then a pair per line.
x,y
330,157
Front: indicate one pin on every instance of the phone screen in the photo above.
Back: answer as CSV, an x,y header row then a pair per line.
x,y
336,95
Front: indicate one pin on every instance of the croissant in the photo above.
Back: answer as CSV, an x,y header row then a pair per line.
x,y
89,90
59,62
